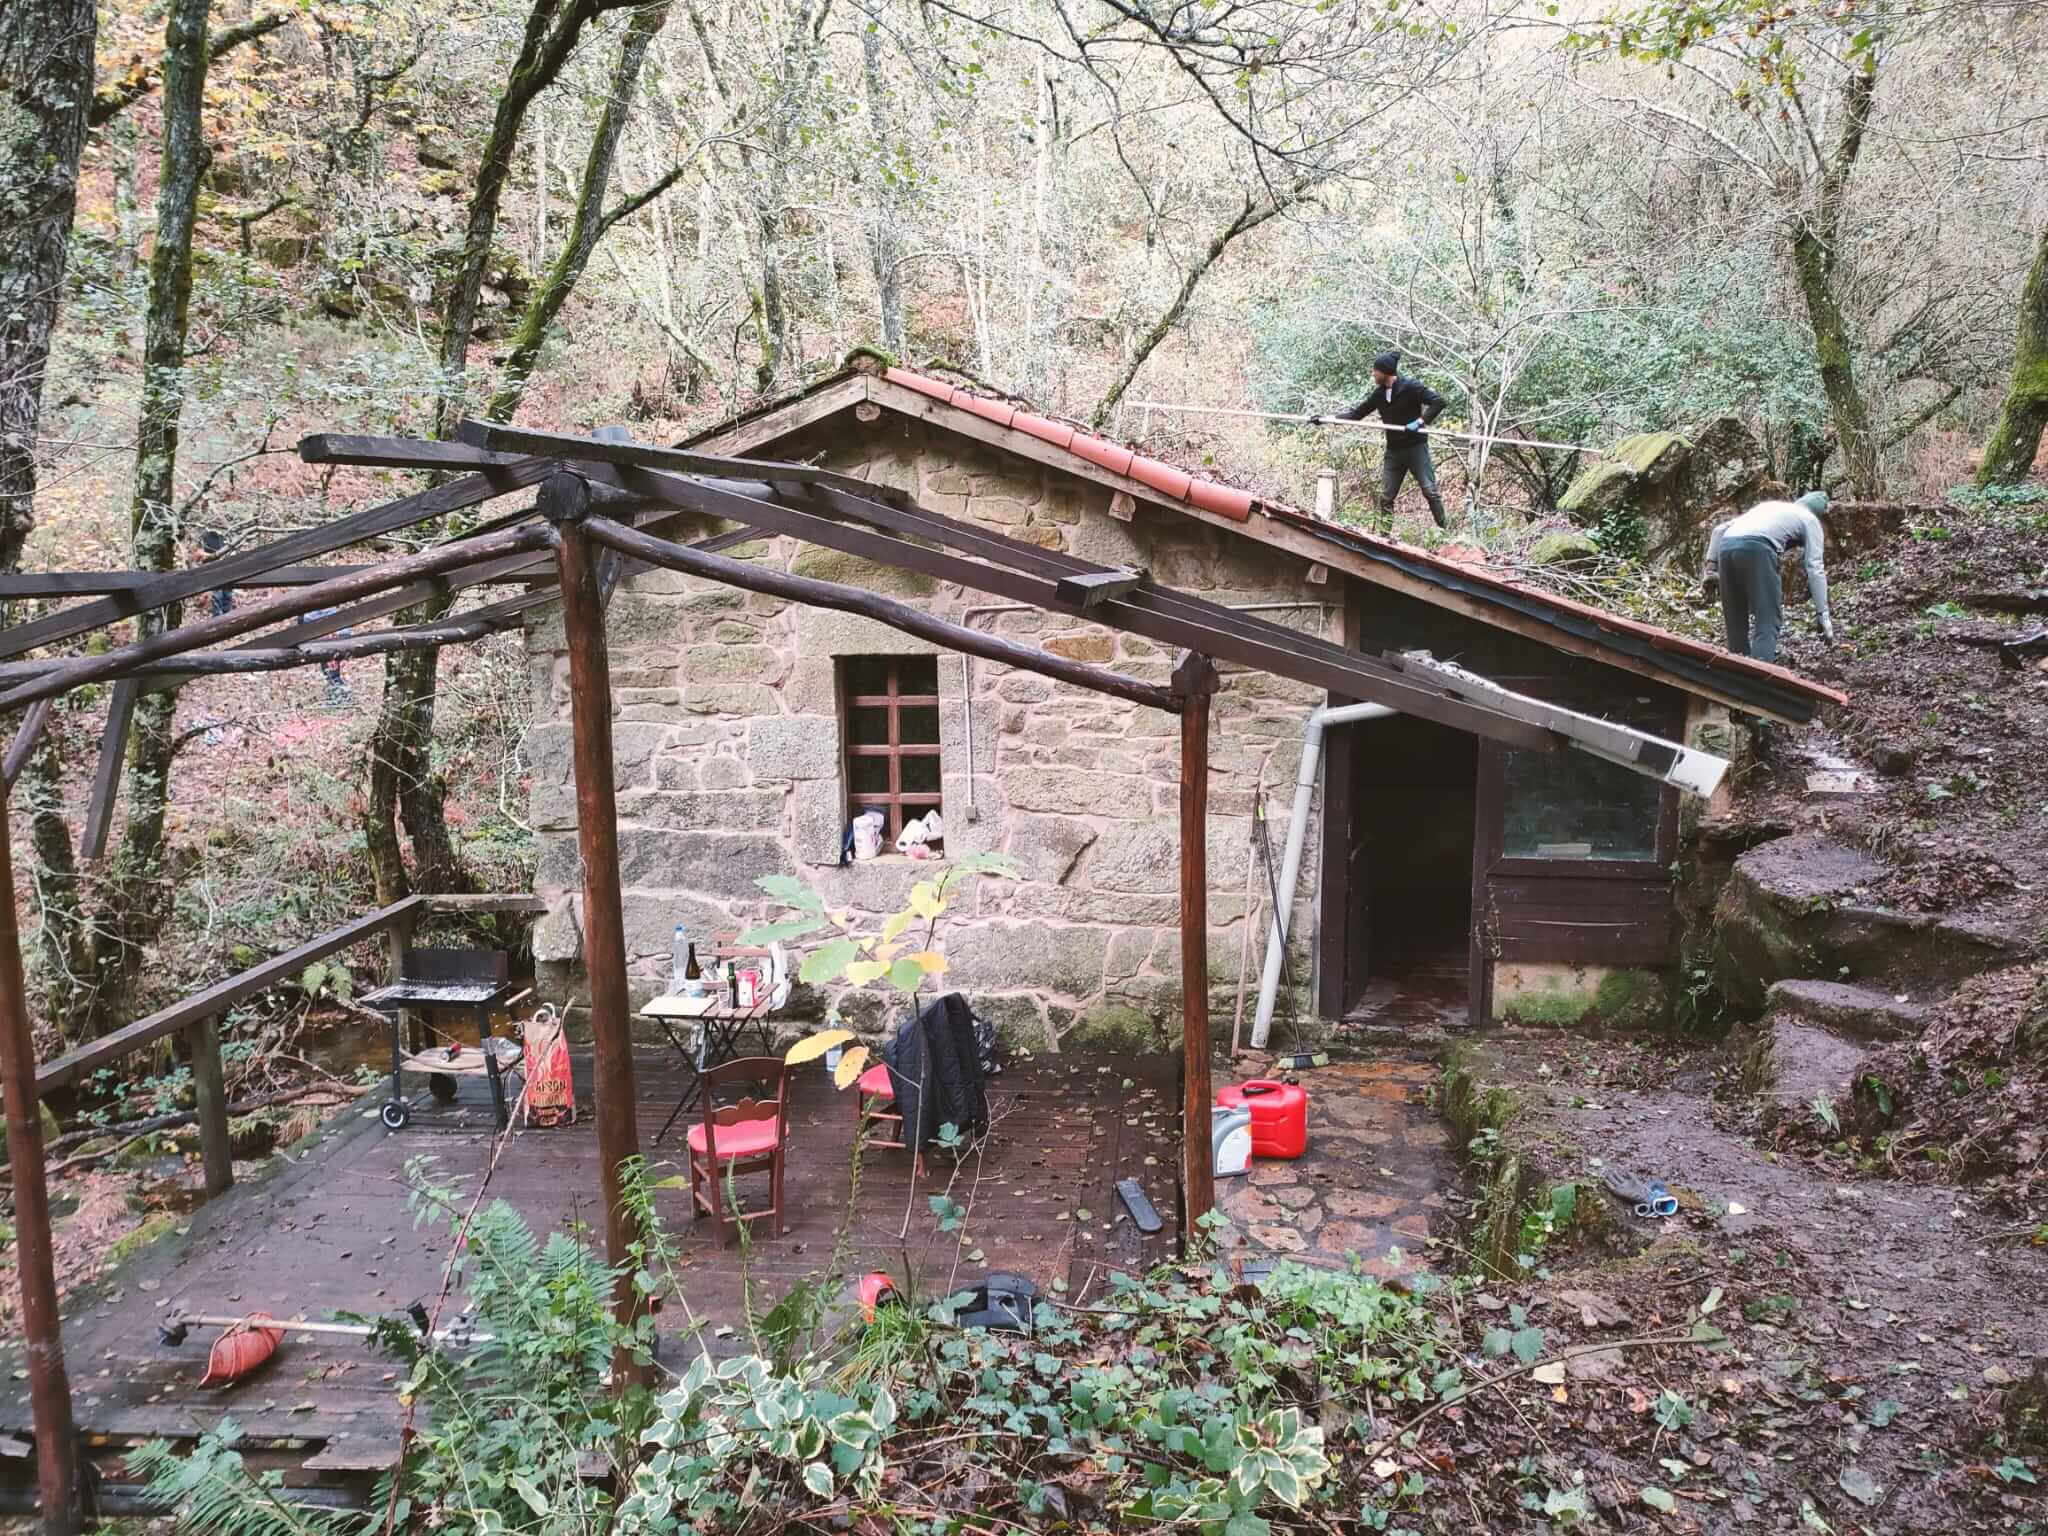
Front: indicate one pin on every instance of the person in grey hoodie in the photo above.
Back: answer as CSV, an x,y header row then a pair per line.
x,y
1743,560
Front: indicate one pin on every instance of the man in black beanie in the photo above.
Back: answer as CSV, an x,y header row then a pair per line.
x,y
1408,405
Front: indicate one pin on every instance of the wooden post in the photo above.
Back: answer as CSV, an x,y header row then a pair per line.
x,y
565,502
49,1389
210,1093
397,943
1194,682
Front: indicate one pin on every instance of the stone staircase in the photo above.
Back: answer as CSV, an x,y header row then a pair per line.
x,y
1815,1037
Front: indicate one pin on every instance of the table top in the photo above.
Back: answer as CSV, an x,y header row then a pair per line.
x,y
672,1006
439,994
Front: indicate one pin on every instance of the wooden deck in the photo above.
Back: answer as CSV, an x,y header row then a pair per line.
x,y
327,1229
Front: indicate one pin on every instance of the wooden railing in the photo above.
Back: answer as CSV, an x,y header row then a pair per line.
x,y
198,1016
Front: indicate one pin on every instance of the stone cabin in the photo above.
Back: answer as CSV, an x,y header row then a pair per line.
x,y
748,731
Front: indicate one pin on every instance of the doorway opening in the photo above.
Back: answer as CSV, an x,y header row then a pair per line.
x,y
1408,919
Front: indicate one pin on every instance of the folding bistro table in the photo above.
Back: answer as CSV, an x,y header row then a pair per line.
x,y
705,1031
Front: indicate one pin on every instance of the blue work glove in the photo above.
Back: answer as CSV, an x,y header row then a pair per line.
x,y
1415,425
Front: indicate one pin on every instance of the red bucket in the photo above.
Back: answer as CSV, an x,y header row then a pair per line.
x,y
1279,1115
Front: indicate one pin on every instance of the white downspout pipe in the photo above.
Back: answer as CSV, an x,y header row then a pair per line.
x,y
1297,834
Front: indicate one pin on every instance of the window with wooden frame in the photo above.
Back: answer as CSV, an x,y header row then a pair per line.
x,y
889,723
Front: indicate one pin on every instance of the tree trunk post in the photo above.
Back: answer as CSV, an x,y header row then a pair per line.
x,y
49,1388
1194,680
565,502
210,1099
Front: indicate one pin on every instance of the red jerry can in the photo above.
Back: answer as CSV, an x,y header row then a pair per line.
x,y
1279,1115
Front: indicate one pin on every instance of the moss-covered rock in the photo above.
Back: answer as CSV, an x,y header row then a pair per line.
x,y
1562,548
1676,484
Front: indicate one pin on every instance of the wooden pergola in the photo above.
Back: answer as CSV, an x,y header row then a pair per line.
x,y
599,500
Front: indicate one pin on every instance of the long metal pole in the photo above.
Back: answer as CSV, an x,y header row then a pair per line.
x,y
49,1388
1195,681
565,502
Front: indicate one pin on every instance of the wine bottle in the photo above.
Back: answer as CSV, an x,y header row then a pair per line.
x,y
693,974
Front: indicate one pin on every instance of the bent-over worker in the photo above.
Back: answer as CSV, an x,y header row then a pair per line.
x,y
1408,405
1743,556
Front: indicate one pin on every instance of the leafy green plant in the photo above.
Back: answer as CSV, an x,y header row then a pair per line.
x,y
854,961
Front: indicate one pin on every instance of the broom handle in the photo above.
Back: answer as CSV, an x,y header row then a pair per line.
x,y
300,1325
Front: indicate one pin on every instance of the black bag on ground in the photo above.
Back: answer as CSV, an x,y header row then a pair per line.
x,y
934,1067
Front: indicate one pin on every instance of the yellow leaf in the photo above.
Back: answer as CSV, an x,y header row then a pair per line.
x,y
851,1065
892,930
930,961
925,900
811,1047
861,972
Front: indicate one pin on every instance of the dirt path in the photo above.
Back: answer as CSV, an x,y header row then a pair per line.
x,y
1874,1330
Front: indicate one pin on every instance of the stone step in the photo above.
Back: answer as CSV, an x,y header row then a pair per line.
x,y
1796,1063
1800,906
1847,1011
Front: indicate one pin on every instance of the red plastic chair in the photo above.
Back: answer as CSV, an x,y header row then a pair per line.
x,y
748,1136
871,1096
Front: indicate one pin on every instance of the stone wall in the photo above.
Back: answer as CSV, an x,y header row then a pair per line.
x,y
728,754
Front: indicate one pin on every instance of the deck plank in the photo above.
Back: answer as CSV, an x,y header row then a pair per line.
x,y
328,1229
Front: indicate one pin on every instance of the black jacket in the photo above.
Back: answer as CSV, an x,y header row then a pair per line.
x,y
935,1069
1412,400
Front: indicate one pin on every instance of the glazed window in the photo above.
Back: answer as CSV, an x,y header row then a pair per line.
x,y
1567,805
889,713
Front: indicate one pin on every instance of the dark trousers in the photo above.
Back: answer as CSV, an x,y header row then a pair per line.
x,y
1401,461
1752,597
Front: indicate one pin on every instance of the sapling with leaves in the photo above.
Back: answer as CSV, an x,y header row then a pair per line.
x,y
853,961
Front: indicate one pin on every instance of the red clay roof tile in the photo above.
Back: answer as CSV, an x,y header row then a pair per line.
x,y
1162,477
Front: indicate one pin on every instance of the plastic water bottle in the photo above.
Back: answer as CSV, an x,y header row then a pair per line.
x,y
679,958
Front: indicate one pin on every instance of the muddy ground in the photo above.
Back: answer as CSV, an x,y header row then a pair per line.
x,y
1870,1339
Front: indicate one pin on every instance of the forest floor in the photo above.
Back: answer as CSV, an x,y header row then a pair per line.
x,y
1868,1283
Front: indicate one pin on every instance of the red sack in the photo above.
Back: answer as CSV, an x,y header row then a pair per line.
x,y
240,1350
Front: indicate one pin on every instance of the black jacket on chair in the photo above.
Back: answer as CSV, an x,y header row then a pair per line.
x,y
935,1069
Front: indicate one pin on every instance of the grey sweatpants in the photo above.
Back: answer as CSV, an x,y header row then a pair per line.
x,y
1413,460
1752,597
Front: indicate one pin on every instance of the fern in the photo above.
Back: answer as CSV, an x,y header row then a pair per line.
x,y
210,1491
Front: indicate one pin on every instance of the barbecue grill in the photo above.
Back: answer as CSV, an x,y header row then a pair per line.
x,y
478,981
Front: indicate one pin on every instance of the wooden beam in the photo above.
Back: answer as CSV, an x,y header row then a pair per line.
x,y
777,422
397,452
210,1100
1157,613
415,637
1203,625
565,502
1194,683
883,610
611,450
26,736
191,637
1095,587
174,586
217,999
106,775
94,583
42,1331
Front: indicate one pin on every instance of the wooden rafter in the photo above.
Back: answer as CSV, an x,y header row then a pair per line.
x,y
1031,575
912,621
306,544
133,658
